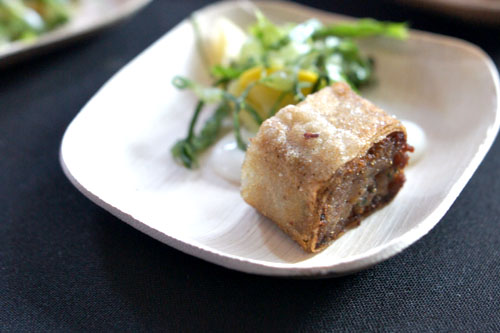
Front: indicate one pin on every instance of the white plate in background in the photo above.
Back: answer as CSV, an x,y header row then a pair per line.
x,y
483,11
88,16
117,150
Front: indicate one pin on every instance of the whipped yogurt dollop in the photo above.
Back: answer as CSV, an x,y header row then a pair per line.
x,y
417,139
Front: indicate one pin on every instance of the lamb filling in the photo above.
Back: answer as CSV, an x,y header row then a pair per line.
x,y
362,186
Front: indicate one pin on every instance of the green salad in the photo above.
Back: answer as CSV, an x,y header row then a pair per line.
x,y
274,65
28,19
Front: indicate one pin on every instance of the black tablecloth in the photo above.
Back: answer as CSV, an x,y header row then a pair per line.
x,y
68,265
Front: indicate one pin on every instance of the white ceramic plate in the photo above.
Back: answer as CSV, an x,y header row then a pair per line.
x,y
89,16
117,150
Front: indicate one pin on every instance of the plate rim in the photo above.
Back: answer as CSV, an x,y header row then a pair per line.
x,y
341,267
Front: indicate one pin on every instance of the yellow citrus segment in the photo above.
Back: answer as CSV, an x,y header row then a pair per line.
x,y
307,76
264,98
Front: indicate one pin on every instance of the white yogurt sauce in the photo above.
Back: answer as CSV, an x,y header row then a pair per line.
x,y
417,139
227,158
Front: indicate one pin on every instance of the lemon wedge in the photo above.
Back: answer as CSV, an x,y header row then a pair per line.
x,y
223,42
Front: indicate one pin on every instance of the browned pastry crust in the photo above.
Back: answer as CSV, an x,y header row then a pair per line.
x,y
319,166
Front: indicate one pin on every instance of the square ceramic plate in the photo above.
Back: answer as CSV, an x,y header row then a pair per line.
x,y
88,16
117,150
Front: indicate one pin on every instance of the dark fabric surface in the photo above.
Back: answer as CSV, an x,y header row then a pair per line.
x,y
67,265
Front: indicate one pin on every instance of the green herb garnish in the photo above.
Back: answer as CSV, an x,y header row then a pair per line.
x,y
287,62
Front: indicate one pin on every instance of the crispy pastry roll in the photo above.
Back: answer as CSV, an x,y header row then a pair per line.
x,y
320,166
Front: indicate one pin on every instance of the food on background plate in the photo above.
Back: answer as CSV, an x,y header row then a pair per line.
x,y
25,20
256,74
320,166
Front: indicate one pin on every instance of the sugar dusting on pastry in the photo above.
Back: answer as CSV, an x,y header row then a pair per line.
x,y
317,167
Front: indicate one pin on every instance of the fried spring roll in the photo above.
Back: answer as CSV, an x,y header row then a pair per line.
x,y
319,167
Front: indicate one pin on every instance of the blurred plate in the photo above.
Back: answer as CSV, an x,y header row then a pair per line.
x,y
117,150
484,11
89,16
